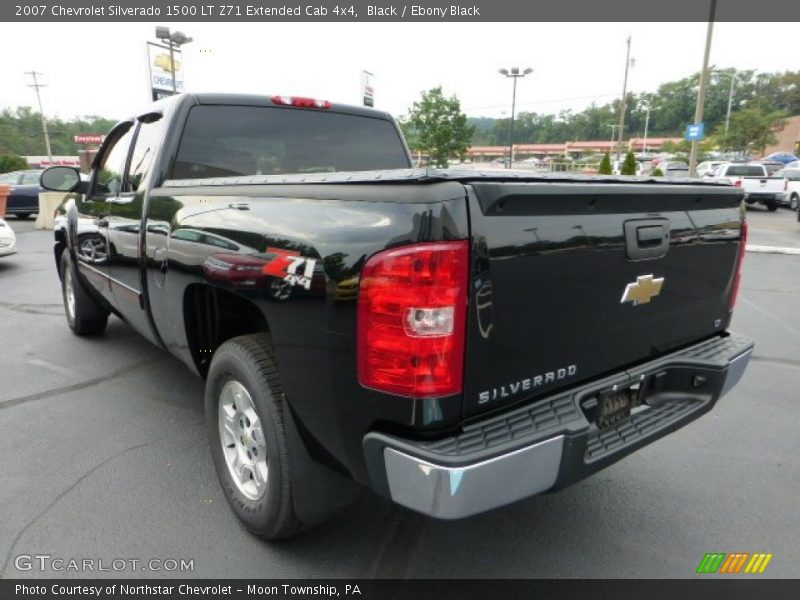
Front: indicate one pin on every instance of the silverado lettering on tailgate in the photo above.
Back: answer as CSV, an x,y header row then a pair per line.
x,y
527,384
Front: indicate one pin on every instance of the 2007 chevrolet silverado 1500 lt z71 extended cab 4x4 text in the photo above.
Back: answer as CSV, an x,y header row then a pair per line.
x,y
453,340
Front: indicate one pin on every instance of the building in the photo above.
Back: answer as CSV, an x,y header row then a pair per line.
x,y
788,138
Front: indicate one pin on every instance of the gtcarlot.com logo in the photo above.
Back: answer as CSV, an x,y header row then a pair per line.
x,y
736,562
46,562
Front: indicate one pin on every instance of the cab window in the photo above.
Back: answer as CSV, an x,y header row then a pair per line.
x,y
110,175
144,149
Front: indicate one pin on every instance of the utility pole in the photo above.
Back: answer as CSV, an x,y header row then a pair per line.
x,y
646,124
624,95
36,85
701,94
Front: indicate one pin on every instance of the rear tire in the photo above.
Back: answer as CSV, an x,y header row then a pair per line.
x,y
244,415
794,201
23,215
85,315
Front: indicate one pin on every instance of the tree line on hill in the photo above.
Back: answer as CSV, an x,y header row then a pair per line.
x,y
21,132
757,97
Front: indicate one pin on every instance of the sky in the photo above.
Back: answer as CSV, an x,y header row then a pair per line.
x,y
101,68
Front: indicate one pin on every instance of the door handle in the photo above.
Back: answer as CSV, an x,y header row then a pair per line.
x,y
646,238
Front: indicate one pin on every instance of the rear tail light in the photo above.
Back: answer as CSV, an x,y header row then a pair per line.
x,y
737,183
412,312
785,184
299,102
739,260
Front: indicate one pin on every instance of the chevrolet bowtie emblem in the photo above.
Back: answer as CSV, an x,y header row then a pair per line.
x,y
645,289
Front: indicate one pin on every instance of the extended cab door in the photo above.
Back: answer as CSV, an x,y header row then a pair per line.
x,y
90,228
125,237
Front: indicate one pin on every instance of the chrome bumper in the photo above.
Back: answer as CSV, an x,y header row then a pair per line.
x,y
451,491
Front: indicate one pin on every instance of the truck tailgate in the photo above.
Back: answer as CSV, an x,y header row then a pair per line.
x,y
574,280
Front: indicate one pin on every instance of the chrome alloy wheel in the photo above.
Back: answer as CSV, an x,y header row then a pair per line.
x,y
69,292
242,438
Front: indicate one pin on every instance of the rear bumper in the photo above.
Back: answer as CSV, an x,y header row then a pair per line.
x,y
551,443
762,198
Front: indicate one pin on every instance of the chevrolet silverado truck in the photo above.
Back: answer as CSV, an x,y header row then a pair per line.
x,y
453,340
758,184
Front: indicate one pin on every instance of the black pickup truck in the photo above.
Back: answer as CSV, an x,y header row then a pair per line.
x,y
453,340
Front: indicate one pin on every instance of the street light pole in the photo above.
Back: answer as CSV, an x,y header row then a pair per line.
x,y
172,65
728,112
515,74
622,106
701,94
613,129
646,124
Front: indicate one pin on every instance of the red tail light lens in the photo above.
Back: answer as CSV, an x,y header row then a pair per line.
x,y
300,102
739,260
737,183
412,313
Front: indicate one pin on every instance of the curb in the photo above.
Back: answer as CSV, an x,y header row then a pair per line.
x,y
772,249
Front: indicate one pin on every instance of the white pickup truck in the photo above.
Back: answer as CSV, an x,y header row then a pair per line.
x,y
756,182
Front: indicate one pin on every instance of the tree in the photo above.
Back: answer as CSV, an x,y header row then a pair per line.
x,y
605,165
12,162
628,165
436,126
753,128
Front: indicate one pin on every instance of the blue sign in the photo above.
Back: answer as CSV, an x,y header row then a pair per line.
x,y
694,132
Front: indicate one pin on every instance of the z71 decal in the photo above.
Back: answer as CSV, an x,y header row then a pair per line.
x,y
292,268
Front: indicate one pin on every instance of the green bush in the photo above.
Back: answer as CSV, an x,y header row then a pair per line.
x,y
657,172
628,165
605,165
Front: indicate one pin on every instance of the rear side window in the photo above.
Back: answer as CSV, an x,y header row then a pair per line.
x,y
30,178
221,141
745,171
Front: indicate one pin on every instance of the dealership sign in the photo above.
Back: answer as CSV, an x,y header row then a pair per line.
x,y
163,66
367,90
89,138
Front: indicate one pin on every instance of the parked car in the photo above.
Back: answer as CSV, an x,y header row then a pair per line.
x,y
791,186
772,166
706,168
24,198
475,337
782,157
754,179
8,241
672,168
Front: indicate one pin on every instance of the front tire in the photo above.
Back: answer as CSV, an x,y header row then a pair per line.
x,y
244,415
794,201
772,207
85,315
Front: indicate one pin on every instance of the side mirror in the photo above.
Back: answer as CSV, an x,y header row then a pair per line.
x,y
61,179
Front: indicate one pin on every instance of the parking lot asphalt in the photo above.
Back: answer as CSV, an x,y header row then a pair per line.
x,y
103,456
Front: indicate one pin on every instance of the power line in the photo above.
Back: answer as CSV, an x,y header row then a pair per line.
x,y
543,101
36,85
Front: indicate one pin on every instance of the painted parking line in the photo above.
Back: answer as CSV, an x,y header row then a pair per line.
x,y
772,249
